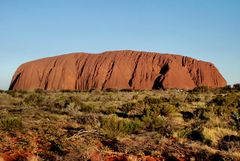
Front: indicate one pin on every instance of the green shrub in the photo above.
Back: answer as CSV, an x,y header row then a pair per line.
x,y
166,109
149,100
39,90
135,97
34,99
222,111
114,126
87,108
62,102
108,110
71,109
196,134
11,123
153,123
224,105
218,100
200,113
229,100
154,118
236,119
192,98
88,119
200,89
163,109
128,107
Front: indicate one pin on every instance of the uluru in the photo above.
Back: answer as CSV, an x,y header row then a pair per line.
x,y
124,69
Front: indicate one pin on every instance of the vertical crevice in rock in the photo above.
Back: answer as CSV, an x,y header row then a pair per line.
x,y
14,81
164,69
48,75
80,72
153,64
159,80
108,74
46,80
130,82
96,72
184,60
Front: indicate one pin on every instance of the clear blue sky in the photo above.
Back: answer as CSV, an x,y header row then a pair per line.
x,y
203,29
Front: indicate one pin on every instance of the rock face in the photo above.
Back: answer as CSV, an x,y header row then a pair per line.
x,y
116,69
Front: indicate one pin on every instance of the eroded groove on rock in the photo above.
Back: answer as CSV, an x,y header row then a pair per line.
x,y
108,74
14,81
164,69
130,82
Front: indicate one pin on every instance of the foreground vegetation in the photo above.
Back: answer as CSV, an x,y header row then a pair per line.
x,y
201,124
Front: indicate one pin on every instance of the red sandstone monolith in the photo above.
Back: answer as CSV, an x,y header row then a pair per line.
x,y
116,69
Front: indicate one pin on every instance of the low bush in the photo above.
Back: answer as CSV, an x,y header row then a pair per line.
x,y
57,148
88,119
218,100
192,98
200,113
236,119
163,109
128,107
229,100
71,109
62,102
87,108
229,142
108,110
153,123
114,126
187,115
11,123
167,109
196,135
34,99
200,89
150,100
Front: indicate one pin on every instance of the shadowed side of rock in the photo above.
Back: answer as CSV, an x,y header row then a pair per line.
x,y
116,69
